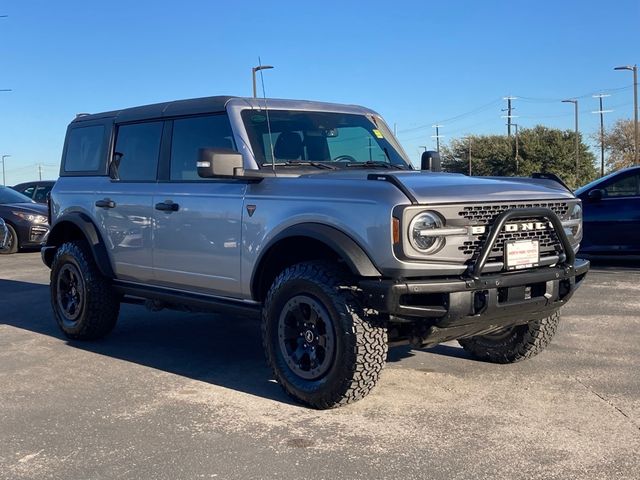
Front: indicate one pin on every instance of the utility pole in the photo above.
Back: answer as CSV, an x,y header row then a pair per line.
x,y
437,136
40,171
601,112
469,155
517,149
634,69
575,104
509,110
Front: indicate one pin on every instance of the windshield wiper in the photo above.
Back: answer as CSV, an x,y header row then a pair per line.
x,y
303,163
372,164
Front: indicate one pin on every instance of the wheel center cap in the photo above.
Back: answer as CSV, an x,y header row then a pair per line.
x,y
308,336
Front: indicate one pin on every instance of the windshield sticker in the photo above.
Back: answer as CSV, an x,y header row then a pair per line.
x,y
377,133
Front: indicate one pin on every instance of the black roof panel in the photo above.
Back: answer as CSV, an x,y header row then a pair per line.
x,y
158,110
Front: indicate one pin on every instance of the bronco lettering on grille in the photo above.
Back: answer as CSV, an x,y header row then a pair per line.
x,y
514,227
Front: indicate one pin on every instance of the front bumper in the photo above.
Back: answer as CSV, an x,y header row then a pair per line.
x,y
457,308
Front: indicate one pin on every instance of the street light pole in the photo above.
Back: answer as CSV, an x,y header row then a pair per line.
x,y
575,103
253,76
4,181
602,112
469,155
634,69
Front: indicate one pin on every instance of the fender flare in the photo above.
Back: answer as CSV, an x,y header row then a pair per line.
x,y
346,247
91,234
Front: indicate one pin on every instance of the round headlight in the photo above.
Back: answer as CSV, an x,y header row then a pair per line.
x,y
575,216
421,235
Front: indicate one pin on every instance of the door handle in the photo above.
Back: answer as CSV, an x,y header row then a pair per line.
x,y
167,206
105,203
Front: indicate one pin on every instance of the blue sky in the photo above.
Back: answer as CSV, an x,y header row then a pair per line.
x,y
416,62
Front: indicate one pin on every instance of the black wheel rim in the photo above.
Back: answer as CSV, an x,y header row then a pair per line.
x,y
70,292
306,337
10,241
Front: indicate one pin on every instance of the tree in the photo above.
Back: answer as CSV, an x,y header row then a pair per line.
x,y
540,149
618,141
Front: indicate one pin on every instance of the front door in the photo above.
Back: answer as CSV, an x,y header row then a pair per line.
x,y
612,224
198,222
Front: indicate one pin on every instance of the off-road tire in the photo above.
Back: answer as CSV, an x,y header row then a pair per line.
x,y
519,343
14,245
99,306
360,336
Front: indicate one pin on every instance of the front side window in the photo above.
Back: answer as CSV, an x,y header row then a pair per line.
x,y
192,134
625,187
137,149
84,149
28,191
337,139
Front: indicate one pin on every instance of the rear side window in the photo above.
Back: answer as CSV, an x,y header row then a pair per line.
x,y
192,134
84,149
137,148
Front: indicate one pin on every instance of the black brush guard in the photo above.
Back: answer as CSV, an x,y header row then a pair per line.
x,y
473,304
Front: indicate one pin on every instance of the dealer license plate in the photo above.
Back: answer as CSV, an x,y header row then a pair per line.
x,y
521,254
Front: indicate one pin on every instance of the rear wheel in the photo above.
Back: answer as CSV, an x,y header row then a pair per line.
x,y
83,301
324,348
13,244
513,344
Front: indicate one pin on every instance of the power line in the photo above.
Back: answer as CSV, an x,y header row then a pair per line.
x,y
454,118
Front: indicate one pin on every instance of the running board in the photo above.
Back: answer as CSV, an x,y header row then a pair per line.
x,y
178,299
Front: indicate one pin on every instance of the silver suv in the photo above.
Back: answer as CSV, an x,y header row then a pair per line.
x,y
310,216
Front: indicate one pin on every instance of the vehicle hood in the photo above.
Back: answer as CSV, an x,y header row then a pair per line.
x,y
430,187
34,208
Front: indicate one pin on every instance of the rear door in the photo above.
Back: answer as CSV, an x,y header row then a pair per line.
x,y
197,240
124,204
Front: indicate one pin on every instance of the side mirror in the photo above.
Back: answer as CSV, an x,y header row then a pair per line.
x,y
596,195
219,162
430,161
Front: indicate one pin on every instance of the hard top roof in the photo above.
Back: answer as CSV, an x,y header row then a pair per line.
x,y
194,106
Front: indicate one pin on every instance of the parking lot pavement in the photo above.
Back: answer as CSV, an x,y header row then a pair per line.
x,y
175,395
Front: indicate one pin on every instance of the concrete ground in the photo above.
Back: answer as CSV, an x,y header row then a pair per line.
x,y
173,395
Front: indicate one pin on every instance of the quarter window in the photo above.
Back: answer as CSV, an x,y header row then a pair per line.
x,y
137,148
192,134
84,149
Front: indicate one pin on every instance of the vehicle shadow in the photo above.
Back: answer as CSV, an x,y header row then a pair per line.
x,y
611,263
217,349
209,348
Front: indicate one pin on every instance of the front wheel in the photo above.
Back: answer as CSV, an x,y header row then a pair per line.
x,y
513,344
13,244
324,349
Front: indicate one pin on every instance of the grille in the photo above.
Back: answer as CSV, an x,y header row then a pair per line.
x,y
484,214
549,242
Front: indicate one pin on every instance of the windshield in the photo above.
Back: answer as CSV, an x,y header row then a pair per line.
x,y
339,139
7,195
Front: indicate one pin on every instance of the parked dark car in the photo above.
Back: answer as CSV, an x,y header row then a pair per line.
x,y
26,220
36,191
612,214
